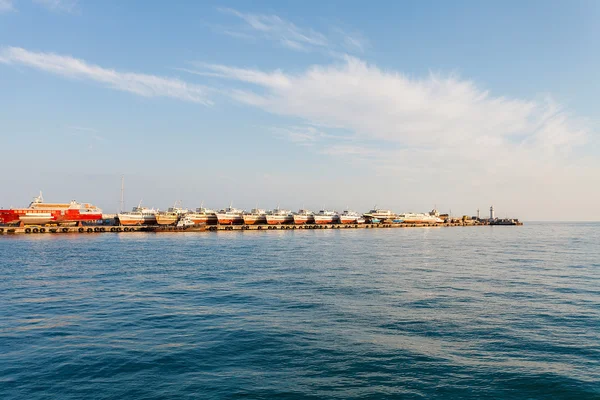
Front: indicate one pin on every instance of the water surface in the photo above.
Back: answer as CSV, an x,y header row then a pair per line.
x,y
483,312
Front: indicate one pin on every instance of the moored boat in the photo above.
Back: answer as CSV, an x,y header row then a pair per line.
x,y
40,212
255,216
350,217
138,216
280,217
185,222
33,218
304,217
379,215
326,217
230,216
203,216
171,216
431,217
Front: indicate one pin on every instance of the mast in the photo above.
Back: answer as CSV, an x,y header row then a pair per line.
x,y
122,203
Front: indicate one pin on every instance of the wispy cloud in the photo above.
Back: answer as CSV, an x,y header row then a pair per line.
x,y
437,128
287,34
6,6
66,6
140,84
305,135
270,79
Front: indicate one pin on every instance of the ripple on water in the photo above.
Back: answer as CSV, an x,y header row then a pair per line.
x,y
420,313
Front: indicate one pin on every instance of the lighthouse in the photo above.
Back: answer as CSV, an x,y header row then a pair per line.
x,y
491,212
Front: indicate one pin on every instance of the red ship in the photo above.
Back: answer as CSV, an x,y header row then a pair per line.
x,y
40,213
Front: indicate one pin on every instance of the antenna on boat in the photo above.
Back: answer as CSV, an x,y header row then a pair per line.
x,y
38,199
122,203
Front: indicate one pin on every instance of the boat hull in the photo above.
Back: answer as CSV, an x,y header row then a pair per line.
x,y
255,219
279,219
204,219
229,219
325,220
422,221
26,216
166,219
36,219
125,220
304,219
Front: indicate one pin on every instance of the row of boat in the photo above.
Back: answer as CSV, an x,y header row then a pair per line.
x,y
234,216
40,212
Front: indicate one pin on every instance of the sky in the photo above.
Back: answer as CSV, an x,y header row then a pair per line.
x,y
401,105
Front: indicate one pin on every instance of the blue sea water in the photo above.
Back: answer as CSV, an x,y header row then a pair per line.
x,y
482,312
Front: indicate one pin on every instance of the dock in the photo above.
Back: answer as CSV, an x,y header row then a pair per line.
x,y
91,229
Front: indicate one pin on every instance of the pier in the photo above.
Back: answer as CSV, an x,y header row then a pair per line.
x,y
91,229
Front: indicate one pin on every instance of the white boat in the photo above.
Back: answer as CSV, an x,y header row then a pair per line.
x,y
185,222
203,216
138,216
171,216
255,216
230,216
350,217
379,215
304,217
326,217
36,218
421,218
280,217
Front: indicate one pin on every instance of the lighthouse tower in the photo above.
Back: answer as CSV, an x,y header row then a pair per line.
x,y
478,214
491,212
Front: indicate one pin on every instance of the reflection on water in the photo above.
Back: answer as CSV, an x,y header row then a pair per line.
x,y
444,312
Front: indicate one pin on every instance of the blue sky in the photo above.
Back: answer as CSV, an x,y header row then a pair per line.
x,y
407,105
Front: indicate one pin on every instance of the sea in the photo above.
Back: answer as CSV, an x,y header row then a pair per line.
x,y
424,313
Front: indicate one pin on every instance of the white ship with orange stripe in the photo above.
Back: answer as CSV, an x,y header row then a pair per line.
x,y
203,216
304,217
327,217
138,216
230,216
255,216
351,217
280,217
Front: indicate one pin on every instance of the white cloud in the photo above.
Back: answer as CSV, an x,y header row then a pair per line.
x,y
437,131
289,35
6,6
304,135
140,84
68,6
269,79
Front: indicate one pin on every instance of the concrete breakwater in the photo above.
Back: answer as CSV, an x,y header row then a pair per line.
x,y
90,229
